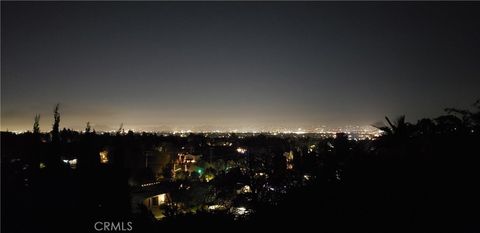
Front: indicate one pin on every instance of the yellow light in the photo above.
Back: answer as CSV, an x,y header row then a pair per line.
x,y
103,156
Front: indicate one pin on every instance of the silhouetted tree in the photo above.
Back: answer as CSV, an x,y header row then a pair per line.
x,y
36,124
88,129
167,170
425,126
397,128
476,115
396,132
120,129
56,124
448,123
468,118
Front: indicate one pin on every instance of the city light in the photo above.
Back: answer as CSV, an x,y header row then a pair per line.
x,y
241,150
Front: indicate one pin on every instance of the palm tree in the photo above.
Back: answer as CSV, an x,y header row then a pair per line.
x,y
395,133
399,128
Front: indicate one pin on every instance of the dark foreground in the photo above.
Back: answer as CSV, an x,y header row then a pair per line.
x,y
419,177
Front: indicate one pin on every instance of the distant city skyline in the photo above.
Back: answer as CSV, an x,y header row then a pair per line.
x,y
248,66
211,129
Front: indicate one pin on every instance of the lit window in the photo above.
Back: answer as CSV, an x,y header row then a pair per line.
x,y
103,156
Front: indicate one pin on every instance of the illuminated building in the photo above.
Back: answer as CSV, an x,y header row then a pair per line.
x,y
186,162
154,203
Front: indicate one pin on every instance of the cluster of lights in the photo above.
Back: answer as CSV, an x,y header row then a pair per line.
x,y
150,184
216,207
187,158
240,211
241,150
72,163
245,189
19,131
220,143
261,174
365,130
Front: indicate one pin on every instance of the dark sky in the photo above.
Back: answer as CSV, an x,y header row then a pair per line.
x,y
164,65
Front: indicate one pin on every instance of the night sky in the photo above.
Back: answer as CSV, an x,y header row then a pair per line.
x,y
243,65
